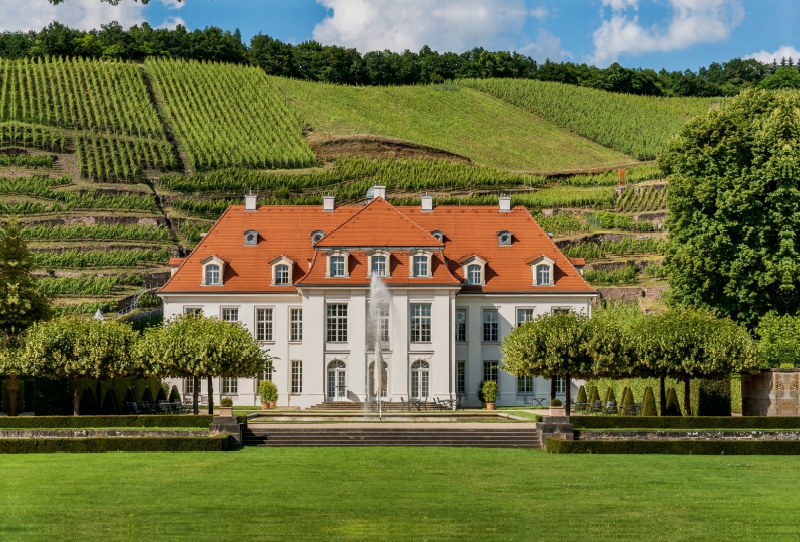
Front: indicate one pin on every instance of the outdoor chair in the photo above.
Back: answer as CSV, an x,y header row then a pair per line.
x,y
403,405
130,408
527,401
638,407
597,406
164,406
611,407
146,408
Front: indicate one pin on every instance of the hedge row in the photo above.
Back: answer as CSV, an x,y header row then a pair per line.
x,y
87,422
118,444
693,422
675,447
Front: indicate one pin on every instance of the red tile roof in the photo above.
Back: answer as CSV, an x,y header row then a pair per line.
x,y
285,230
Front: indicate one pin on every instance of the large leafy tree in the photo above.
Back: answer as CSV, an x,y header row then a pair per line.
x,y
685,344
75,348
548,346
192,346
734,208
779,343
21,302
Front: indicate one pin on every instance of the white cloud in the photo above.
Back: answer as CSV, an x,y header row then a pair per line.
x,y
693,21
547,46
83,14
173,4
171,23
785,51
540,13
444,25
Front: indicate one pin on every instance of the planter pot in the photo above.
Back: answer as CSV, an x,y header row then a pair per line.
x,y
557,411
273,404
226,411
489,406
265,406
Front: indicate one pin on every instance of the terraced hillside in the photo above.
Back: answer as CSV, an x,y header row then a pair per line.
x,y
115,167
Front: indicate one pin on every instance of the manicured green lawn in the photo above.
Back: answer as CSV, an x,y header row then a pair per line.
x,y
397,494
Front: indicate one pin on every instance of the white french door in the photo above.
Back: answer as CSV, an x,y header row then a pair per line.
x,y
337,381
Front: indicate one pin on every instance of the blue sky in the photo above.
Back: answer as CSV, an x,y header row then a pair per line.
x,y
675,34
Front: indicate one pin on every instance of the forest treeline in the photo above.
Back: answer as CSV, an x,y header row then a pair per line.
x,y
334,64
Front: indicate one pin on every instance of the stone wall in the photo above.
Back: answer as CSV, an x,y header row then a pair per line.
x,y
772,392
687,435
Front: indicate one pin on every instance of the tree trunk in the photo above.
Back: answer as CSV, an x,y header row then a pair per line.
x,y
687,396
552,388
210,396
663,396
196,396
99,405
76,396
569,392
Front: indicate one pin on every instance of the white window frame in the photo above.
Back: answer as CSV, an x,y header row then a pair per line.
x,y
340,332
339,254
229,386
465,270
314,234
379,254
519,311
525,385
276,263
420,335
222,314
188,386
543,260
496,325
295,326
412,264
466,326
561,310
491,368
268,325
561,385
461,377
206,263
193,310
296,382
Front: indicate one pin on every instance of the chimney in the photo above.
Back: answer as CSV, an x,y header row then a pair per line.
x,y
327,204
250,202
427,203
505,204
378,192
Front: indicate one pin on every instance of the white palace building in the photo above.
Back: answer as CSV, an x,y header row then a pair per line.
x,y
298,277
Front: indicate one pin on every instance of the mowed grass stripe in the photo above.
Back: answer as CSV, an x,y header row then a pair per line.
x,y
456,119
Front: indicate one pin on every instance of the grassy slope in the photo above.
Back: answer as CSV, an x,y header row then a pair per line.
x,y
463,121
397,494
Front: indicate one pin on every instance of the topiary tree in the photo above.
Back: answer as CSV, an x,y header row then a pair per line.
x,y
489,390
649,403
88,405
174,395
110,404
130,396
582,399
75,348
268,391
147,396
626,406
734,208
594,396
673,407
161,395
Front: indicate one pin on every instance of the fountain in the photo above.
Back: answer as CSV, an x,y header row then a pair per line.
x,y
379,297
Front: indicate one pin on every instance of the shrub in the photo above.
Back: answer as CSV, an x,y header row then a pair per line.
x,y
715,398
610,398
481,398
581,396
161,395
87,422
686,422
147,396
268,391
556,403
490,391
130,396
626,406
116,444
649,402
226,402
594,395
678,447
673,407
174,395
110,405
88,407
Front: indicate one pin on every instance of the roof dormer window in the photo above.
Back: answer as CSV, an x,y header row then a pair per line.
x,y
316,236
338,265
474,270
379,263
282,271
543,270
504,238
250,238
420,264
439,235
213,271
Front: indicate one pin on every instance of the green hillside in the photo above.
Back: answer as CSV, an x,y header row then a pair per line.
x,y
457,119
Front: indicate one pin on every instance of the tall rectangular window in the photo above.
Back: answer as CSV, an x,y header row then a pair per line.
x,y
189,386
337,323
420,266
461,377
282,274
561,385
490,326
230,386
296,332
384,321
490,370
524,385
193,310
337,266
268,372
524,315
379,265
263,324
421,323
474,275
297,377
461,325
212,275
230,315
542,274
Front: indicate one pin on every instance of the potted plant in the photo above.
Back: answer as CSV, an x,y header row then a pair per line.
x,y
489,393
226,407
557,408
269,394
480,394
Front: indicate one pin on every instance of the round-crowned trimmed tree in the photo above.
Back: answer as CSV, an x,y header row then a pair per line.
x,y
734,208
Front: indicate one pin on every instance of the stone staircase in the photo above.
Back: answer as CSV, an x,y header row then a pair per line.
x,y
366,434
386,406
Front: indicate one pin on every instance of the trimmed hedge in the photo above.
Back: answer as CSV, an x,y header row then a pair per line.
x,y
691,422
117,444
87,422
675,447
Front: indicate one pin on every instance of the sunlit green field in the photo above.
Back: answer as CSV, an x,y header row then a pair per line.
x,y
457,119
397,494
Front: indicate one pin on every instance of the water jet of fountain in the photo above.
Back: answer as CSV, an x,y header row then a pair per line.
x,y
379,296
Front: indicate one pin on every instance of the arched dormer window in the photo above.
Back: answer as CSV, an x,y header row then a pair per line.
x,y
338,264
251,238
543,271
474,270
420,264
316,236
379,261
439,234
504,238
213,271
282,271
